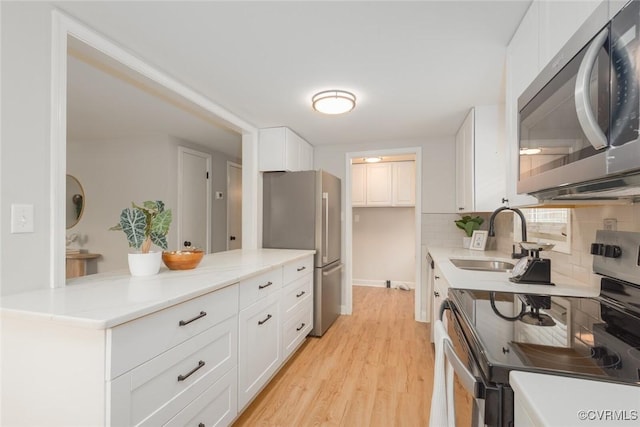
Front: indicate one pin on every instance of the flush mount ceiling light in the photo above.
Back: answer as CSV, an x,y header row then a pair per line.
x,y
529,151
333,101
373,159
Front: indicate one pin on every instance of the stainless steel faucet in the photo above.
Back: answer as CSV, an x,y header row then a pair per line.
x,y
492,230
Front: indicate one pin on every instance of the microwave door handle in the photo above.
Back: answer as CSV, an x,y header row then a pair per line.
x,y
586,117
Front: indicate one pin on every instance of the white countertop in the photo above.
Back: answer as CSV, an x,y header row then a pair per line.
x,y
499,282
551,400
105,300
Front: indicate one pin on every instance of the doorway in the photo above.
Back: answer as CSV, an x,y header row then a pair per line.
x,y
415,241
194,199
234,206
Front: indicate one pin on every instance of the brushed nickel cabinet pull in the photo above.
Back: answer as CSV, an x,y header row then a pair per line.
x,y
301,268
300,328
186,322
300,294
265,285
188,374
261,322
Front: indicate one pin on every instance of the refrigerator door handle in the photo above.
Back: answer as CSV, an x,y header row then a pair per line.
x,y
333,270
325,249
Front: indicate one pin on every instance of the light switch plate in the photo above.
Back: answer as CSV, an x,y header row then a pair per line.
x,y
21,218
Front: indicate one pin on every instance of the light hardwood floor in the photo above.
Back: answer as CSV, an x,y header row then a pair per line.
x,y
373,368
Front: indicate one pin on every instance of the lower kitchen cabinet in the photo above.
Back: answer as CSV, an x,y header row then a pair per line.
x,y
198,362
216,406
440,290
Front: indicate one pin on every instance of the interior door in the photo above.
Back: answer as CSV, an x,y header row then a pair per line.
x,y
234,206
194,199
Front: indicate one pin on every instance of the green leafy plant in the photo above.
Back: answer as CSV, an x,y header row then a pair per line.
x,y
144,225
468,223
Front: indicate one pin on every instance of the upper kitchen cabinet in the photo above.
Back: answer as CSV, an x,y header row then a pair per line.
x,y
480,162
558,21
383,184
281,149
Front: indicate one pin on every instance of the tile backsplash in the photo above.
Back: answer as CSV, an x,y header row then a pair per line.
x,y
439,230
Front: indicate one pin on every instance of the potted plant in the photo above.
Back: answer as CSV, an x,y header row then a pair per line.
x,y
145,225
468,224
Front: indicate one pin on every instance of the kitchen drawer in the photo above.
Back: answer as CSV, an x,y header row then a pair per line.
x,y
217,406
297,269
154,392
255,288
296,294
135,342
297,328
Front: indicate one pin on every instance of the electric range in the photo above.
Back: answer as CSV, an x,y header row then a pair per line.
x,y
593,338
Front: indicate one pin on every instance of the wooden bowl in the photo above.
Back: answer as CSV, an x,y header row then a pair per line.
x,y
182,260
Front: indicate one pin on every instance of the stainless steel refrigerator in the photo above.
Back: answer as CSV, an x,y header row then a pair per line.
x,y
301,210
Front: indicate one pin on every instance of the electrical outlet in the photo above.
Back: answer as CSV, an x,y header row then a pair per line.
x,y
21,218
610,224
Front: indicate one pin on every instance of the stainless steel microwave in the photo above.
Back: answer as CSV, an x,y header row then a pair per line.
x,y
579,120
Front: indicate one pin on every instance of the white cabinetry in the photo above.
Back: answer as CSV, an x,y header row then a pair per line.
x,y
273,322
383,184
297,305
281,149
440,290
404,184
379,184
480,162
359,184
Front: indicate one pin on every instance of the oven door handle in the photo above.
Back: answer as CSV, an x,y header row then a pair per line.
x,y
470,382
586,118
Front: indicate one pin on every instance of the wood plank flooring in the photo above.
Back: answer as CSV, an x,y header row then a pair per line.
x,y
373,368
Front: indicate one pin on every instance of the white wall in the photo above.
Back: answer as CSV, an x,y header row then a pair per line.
x,y
383,245
24,166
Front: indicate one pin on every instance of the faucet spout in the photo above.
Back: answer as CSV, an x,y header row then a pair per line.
x,y
492,228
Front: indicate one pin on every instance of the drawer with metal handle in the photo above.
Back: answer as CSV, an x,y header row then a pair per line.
x,y
258,287
296,294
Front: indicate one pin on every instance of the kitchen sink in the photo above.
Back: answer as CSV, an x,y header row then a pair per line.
x,y
482,265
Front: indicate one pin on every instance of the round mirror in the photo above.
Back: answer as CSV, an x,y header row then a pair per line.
x,y
74,201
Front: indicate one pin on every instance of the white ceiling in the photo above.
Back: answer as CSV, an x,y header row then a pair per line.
x,y
416,67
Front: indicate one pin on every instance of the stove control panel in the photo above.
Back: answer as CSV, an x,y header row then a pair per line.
x,y
609,251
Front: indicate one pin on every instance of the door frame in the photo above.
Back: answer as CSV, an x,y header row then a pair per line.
x,y
230,164
181,152
420,313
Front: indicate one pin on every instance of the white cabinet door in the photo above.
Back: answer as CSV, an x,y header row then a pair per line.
x,y
359,185
522,67
306,156
259,353
465,165
489,158
379,187
404,184
279,149
559,20
440,289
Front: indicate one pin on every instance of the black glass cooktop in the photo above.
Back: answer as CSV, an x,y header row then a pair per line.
x,y
582,337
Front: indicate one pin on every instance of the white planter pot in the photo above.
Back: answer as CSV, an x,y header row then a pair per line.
x,y
466,242
145,264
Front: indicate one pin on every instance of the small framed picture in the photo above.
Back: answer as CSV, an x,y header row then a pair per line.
x,y
479,240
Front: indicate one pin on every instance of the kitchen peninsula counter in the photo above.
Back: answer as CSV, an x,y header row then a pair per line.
x,y
499,281
105,300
